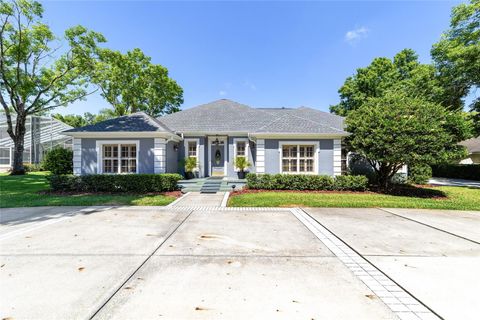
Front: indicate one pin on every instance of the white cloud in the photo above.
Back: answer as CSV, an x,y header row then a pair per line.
x,y
222,92
355,35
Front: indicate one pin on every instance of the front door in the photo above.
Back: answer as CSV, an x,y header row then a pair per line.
x,y
217,159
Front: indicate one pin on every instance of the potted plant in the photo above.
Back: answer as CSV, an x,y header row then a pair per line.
x,y
241,163
190,166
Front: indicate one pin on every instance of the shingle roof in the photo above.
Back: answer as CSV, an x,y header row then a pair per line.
x,y
136,122
472,145
229,116
226,116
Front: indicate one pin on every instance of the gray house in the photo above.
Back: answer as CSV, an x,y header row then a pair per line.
x,y
275,140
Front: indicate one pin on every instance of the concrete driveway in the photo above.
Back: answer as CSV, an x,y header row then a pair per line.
x,y
223,263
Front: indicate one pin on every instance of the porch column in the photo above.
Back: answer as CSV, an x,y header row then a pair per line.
x,y
337,157
160,155
77,156
260,156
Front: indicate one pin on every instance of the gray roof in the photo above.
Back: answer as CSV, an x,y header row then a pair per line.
x,y
226,116
135,122
472,145
229,116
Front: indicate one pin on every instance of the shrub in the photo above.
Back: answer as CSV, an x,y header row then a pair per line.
x,y
458,171
351,183
305,182
138,183
241,163
419,173
190,164
32,167
59,161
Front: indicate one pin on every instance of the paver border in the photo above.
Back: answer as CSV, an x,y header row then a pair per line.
x,y
401,302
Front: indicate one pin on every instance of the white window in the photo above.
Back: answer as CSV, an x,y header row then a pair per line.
x,y
192,149
240,148
117,157
298,158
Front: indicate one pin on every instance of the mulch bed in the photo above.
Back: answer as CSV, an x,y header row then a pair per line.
x,y
176,194
404,191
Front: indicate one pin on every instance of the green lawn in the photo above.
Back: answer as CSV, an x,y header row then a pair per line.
x,y
23,191
458,198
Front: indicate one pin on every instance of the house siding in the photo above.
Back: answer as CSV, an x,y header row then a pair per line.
x,y
89,155
172,157
325,157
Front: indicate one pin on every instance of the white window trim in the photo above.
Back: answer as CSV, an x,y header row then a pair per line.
x,y
99,149
185,145
225,158
235,140
316,145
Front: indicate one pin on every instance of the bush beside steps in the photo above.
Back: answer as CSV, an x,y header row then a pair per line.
x,y
306,182
135,183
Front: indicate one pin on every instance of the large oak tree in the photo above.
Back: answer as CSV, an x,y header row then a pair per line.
x,y
36,73
457,57
131,82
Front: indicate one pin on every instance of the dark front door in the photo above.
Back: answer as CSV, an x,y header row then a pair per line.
x,y
217,159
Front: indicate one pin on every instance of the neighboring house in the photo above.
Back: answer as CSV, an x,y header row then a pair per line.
x,y
275,140
42,134
473,148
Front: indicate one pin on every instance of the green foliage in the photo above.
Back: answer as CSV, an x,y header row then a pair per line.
x,y
59,161
404,72
34,77
458,171
135,183
305,182
33,167
457,56
241,163
131,82
190,164
396,129
351,183
419,173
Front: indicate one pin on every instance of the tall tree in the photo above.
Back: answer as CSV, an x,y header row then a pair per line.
x,y
31,80
397,129
457,57
383,74
131,82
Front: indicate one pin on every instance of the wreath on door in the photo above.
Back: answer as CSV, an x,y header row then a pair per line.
x,y
218,157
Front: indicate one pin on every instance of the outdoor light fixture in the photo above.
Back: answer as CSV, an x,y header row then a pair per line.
x,y
216,142
175,147
233,187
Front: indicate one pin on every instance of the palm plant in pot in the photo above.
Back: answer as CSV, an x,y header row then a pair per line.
x,y
241,163
190,166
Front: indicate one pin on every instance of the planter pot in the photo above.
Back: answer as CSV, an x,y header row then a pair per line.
x,y
189,175
241,174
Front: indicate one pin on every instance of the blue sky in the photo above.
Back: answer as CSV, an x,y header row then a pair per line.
x,y
267,54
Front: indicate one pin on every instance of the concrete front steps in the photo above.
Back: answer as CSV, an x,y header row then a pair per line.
x,y
196,185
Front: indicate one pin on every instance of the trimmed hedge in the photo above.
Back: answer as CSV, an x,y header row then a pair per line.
x,y
305,182
419,173
137,183
59,161
459,171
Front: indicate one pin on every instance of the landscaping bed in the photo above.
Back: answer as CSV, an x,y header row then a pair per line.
x,y
453,198
33,190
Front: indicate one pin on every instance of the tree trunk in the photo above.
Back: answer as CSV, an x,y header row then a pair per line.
x,y
18,142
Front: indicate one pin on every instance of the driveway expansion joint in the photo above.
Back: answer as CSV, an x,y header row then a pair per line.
x,y
430,226
110,296
403,304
